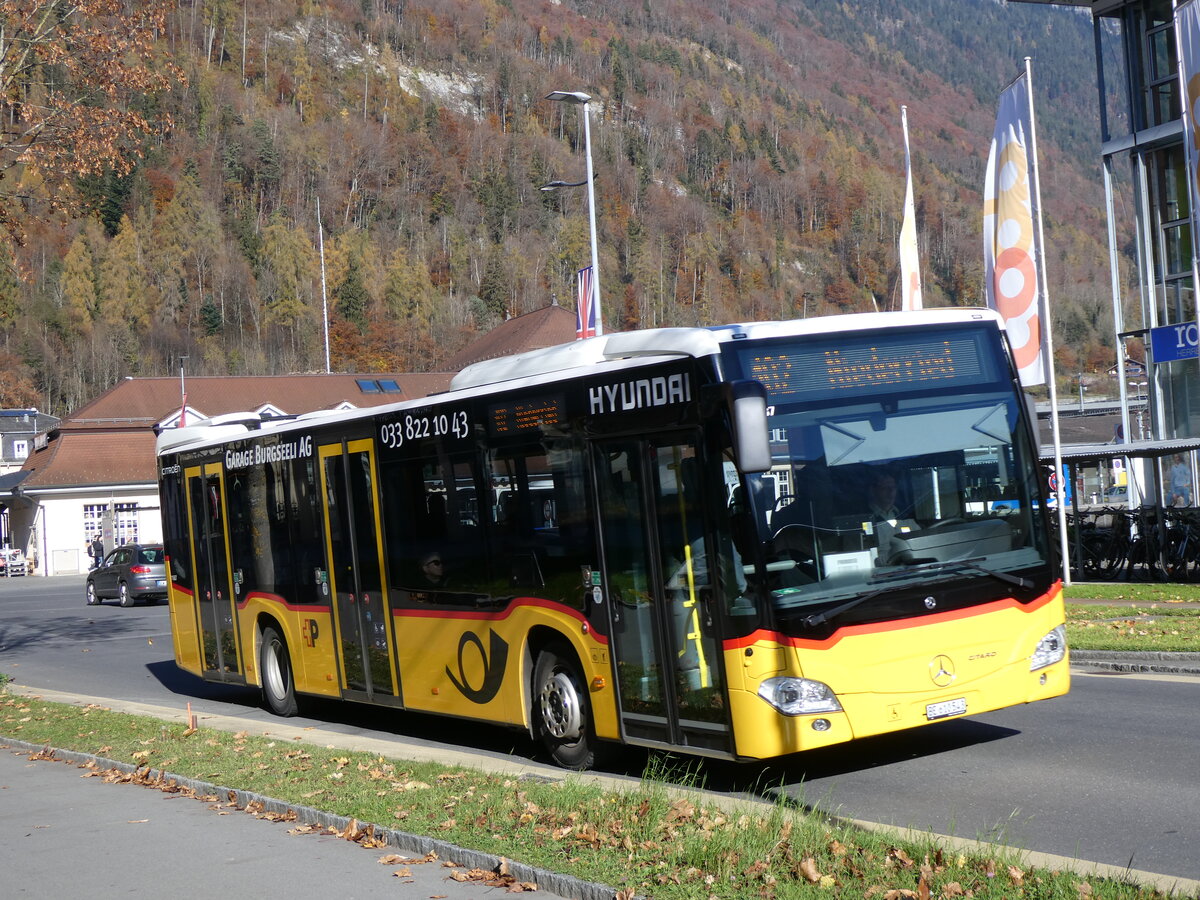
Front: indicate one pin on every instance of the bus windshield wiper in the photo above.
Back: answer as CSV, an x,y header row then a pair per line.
x,y
818,618
974,566
971,564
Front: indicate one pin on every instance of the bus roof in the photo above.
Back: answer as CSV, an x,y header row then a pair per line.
x,y
615,348
695,342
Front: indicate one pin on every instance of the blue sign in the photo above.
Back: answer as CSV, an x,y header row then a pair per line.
x,y
1171,343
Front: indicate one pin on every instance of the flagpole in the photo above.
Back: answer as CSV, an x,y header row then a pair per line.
x,y
909,253
1043,287
324,297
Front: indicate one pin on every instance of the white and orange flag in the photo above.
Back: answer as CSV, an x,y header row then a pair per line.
x,y
1010,234
910,263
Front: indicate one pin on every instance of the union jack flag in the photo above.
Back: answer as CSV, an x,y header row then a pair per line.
x,y
585,305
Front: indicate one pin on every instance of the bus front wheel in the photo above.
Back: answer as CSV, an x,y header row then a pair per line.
x,y
560,709
275,671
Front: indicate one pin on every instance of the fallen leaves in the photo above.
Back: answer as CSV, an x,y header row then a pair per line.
x,y
498,877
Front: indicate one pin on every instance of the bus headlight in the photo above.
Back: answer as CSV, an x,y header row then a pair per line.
x,y
798,696
1050,649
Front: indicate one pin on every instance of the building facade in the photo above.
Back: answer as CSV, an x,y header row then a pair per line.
x,y
1151,249
22,431
1146,189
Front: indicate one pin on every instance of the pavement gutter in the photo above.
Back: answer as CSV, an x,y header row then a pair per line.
x,y
564,885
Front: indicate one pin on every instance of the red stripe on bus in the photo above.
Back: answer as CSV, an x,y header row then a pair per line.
x,y
995,606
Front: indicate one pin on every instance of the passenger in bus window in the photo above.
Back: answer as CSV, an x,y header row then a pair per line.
x,y
886,516
433,569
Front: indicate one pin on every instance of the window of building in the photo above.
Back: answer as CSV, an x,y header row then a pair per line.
x,y
20,449
1171,235
1159,69
125,523
93,520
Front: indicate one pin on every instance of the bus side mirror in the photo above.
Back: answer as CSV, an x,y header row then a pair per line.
x,y
751,439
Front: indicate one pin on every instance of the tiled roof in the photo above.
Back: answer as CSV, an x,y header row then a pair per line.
x,y
93,458
145,401
545,327
110,441
25,421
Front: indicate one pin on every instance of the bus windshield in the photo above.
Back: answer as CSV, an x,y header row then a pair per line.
x,y
899,459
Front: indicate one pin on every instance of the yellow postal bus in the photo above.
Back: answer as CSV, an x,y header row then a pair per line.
x,y
741,542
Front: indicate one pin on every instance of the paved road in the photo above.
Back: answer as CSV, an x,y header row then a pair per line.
x,y
1105,774
64,835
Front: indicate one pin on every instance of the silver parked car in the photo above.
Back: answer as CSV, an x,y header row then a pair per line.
x,y
129,572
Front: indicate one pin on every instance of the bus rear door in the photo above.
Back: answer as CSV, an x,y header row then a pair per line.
x,y
354,555
665,650
215,600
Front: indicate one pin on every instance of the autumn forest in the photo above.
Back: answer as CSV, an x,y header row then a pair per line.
x,y
170,173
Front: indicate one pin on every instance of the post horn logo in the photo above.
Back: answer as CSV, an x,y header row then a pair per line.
x,y
941,670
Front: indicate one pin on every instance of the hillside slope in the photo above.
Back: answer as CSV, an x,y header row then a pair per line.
x,y
748,155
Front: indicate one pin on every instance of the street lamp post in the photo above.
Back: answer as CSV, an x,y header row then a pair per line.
x,y
581,99
1081,390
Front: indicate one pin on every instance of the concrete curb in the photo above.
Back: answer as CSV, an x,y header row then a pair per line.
x,y
566,885
1163,663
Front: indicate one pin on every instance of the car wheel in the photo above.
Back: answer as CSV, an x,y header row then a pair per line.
x,y
92,599
275,673
561,714
123,594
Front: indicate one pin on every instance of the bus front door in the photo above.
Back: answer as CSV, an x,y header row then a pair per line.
x,y
354,553
665,651
215,599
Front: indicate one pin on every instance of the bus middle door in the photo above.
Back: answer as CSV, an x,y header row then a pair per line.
x,y
656,568
354,553
215,601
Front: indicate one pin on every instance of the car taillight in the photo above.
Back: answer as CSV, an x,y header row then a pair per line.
x,y
139,570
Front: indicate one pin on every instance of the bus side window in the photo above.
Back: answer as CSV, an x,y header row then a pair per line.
x,y
542,533
429,512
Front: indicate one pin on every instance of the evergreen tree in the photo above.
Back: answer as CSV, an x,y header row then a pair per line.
x,y
124,294
10,288
495,290
77,285
350,296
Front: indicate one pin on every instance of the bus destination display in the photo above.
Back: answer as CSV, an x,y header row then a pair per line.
x,y
526,415
883,365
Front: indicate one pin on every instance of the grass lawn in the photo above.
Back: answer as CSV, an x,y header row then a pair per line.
x,y
1142,617
1133,628
1135,593
650,840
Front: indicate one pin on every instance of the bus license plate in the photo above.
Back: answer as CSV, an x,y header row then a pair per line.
x,y
946,708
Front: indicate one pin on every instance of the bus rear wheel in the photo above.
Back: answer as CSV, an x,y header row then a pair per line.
x,y
275,672
561,715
